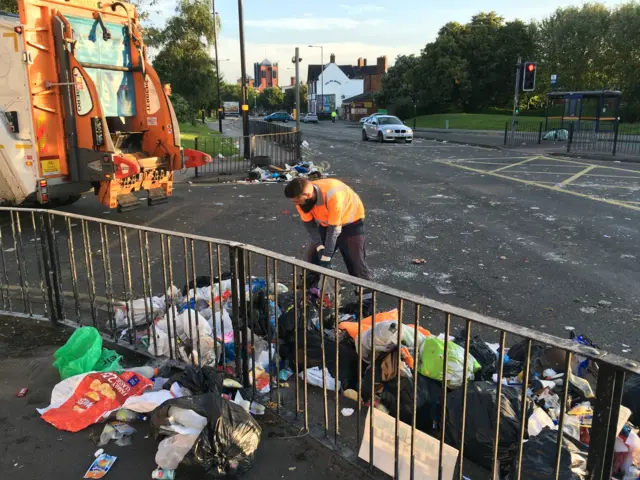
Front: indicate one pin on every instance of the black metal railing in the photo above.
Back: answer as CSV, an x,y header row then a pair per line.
x,y
617,139
76,270
607,138
525,132
260,127
237,154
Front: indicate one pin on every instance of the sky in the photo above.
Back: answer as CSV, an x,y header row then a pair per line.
x,y
347,28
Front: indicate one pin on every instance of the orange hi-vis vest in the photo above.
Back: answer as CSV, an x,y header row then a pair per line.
x,y
337,204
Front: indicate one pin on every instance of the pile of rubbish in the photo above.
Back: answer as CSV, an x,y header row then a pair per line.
x,y
201,418
273,173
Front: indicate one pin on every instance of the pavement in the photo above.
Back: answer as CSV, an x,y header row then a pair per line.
x,y
31,448
544,242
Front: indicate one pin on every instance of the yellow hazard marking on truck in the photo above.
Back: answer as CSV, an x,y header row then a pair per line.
x,y
50,166
15,39
23,146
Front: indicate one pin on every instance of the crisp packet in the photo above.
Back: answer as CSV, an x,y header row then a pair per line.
x,y
100,466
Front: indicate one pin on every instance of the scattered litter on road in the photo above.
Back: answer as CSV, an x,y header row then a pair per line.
x,y
100,466
419,261
347,412
98,452
22,392
273,174
588,309
570,329
604,303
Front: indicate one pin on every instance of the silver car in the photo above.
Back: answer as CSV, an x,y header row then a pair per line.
x,y
310,118
386,128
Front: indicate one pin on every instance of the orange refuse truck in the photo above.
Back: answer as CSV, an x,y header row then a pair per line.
x,y
83,108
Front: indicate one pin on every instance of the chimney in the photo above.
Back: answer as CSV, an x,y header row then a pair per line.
x,y
293,81
381,67
333,58
360,63
364,62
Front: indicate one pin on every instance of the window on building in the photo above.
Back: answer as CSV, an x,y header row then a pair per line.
x,y
264,74
275,73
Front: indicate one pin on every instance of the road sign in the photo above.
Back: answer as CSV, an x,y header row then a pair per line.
x,y
554,80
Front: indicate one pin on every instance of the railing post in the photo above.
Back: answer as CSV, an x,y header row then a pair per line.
x,y
506,130
243,315
615,137
605,421
540,133
298,139
235,305
570,139
195,147
50,269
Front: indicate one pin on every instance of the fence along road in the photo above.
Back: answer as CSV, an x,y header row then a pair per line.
x,y
268,144
100,263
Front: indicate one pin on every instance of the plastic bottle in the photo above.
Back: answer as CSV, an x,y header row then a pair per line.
x,y
127,416
146,371
163,474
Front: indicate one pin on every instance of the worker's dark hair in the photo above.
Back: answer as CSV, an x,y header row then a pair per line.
x,y
296,187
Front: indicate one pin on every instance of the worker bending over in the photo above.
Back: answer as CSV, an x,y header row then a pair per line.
x,y
333,215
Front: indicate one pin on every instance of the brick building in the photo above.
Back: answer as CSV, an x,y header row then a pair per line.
x,y
265,75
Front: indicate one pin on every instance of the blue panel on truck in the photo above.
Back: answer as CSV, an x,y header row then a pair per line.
x,y
115,89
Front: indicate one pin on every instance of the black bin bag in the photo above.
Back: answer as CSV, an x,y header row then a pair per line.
x,y
227,443
539,458
480,426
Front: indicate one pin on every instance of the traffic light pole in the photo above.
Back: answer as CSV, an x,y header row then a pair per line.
x,y
514,119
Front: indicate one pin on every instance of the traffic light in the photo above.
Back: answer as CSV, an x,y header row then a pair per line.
x,y
529,76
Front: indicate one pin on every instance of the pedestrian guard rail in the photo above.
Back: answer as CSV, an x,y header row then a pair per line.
x,y
606,137
239,154
75,270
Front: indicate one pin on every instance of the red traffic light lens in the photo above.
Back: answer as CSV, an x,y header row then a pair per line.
x,y
531,67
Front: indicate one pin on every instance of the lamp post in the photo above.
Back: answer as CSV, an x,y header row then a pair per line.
x,y
321,72
215,36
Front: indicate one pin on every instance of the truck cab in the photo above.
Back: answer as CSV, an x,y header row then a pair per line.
x,y
83,107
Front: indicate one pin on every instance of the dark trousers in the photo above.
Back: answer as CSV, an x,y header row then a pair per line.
x,y
354,254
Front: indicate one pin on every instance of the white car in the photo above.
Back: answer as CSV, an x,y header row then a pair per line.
x,y
386,128
310,118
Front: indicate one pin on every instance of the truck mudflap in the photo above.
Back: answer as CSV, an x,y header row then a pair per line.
x,y
194,158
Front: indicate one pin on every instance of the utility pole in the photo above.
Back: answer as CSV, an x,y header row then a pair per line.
x,y
514,120
244,107
215,35
297,59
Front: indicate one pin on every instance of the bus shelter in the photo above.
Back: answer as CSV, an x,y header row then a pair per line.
x,y
593,110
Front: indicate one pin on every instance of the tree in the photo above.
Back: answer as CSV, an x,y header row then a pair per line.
x,y
271,98
290,98
183,59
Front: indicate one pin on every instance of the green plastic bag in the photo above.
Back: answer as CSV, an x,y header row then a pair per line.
x,y
433,357
83,353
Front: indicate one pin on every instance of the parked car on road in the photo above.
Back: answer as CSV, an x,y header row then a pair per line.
x,y
386,128
278,117
310,118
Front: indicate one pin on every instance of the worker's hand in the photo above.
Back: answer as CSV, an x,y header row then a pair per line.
x,y
325,262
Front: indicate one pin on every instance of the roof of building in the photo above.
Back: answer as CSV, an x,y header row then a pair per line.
x,y
359,98
351,71
266,63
